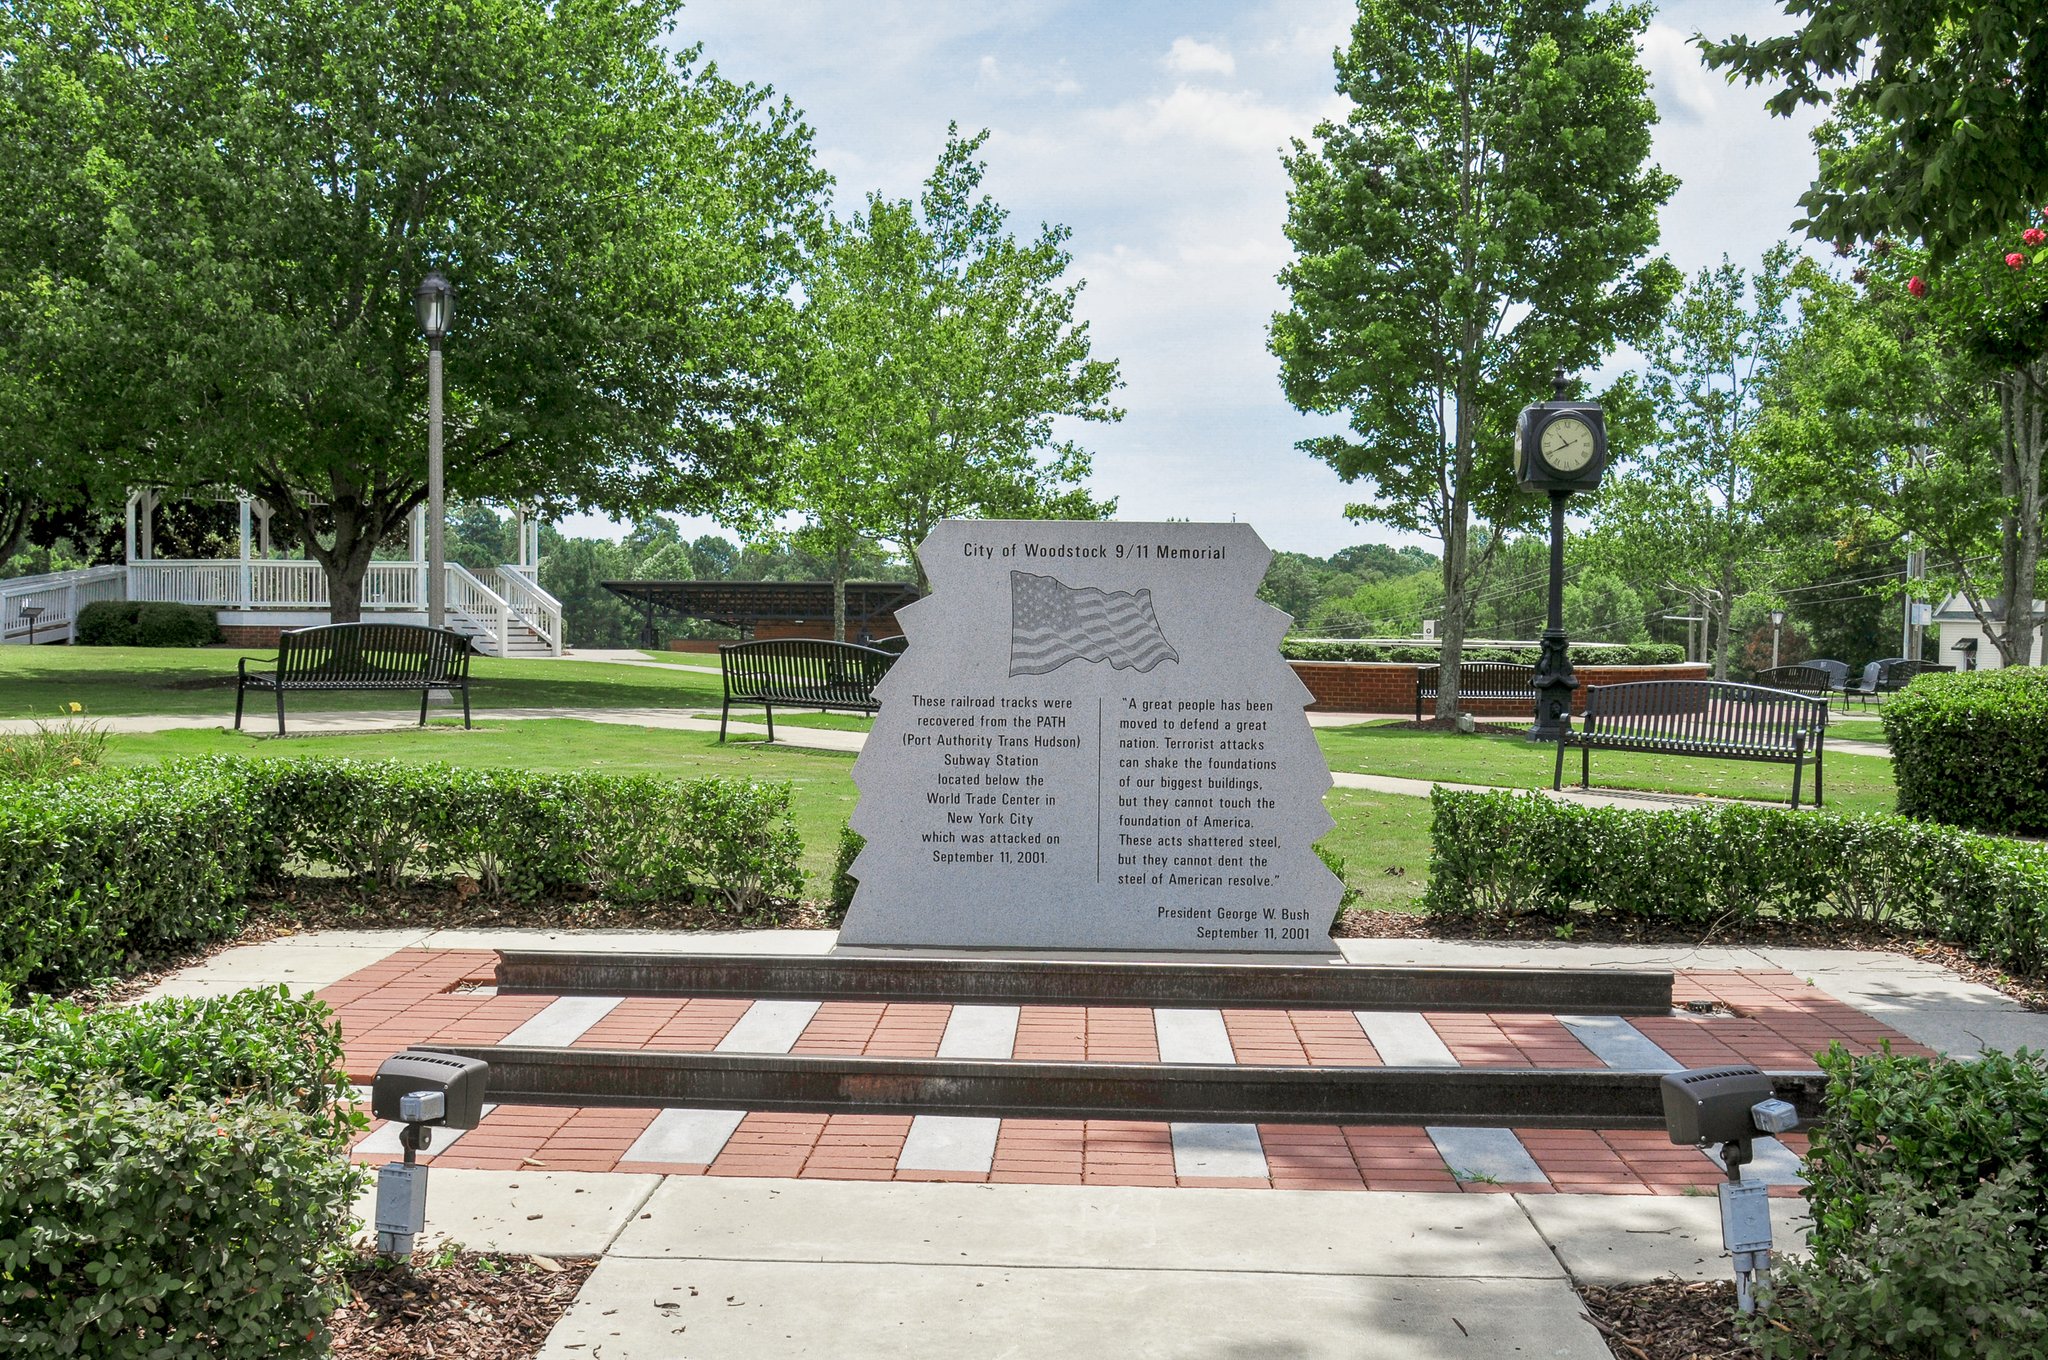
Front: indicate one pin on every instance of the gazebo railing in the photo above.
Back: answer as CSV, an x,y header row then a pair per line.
x,y
531,606
55,600
233,584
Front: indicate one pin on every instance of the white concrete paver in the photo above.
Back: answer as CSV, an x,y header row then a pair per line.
x,y
1192,1036
1486,1154
685,1137
1404,1039
980,1032
1614,1041
1218,1150
562,1021
382,1141
944,1142
768,1027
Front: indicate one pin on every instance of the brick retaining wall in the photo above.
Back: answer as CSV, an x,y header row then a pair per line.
x,y
247,635
1389,687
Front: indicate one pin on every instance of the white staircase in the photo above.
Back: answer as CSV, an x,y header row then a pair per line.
x,y
503,613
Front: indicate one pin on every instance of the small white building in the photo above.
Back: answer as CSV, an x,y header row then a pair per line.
x,y
256,594
1964,644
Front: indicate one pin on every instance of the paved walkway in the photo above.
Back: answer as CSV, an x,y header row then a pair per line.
x,y
729,1234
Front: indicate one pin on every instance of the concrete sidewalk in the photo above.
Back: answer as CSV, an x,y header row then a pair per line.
x,y
725,1268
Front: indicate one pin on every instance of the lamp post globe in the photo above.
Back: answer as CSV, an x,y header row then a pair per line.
x,y
434,303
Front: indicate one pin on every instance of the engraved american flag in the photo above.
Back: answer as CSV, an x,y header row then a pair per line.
x,y
1052,623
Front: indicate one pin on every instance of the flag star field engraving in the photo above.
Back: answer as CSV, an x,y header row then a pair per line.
x,y
1092,741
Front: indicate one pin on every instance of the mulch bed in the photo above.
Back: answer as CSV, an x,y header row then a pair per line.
x,y
455,1306
1668,1320
317,904
2031,992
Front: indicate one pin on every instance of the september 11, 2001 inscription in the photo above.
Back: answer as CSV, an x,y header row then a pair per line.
x,y
1092,742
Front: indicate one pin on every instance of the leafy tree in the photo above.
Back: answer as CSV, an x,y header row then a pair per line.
x,y
267,184
1954,93
1882,435
1688,509
1478,219
945,351
1601,607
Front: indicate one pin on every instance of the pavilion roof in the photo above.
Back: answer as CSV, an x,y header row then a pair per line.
x,y
740,603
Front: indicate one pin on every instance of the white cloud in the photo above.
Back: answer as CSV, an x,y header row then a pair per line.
x,y
1189,57
1685,90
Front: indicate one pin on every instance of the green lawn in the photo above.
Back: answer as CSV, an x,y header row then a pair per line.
x,y
38,682
1855,783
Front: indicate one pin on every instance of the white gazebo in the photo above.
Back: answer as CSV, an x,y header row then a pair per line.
x,y
257,593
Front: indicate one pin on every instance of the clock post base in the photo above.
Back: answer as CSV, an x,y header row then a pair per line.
x,y
1555,680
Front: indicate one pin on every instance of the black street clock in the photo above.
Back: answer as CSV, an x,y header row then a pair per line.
x,y
1561,448
1560,445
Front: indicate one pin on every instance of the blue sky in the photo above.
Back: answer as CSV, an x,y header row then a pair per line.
x,y
1154,130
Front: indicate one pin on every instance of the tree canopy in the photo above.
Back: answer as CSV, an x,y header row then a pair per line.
x,y
941,355
245,197
1479,218
1936,111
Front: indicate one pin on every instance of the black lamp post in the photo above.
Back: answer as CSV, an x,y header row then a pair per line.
x,y
1560,447
30,613
434,302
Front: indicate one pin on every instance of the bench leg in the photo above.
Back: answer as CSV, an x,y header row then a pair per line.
x,y
239,692
1585,767
426,691
280,710
769,709
1557,775
1819,758
724,714
1798,770
465,705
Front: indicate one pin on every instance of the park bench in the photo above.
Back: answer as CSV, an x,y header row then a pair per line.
x,y
801,673
1477,680
1815,680
374,656
1700,718
1889,676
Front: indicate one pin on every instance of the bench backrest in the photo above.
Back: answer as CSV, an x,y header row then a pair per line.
x,y
1707,714
839,672
1807,678
1899,674
1474,677
373,651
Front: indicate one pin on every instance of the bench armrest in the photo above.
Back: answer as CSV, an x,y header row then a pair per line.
x,y
242,663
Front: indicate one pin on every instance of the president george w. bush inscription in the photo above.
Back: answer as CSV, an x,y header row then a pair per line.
x,y
1092,742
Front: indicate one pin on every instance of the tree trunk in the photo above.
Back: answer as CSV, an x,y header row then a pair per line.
x,y
14,516
1724,619
2023,404
1457,582
345,582
842,564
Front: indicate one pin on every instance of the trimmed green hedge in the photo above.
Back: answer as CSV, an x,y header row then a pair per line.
x,y
127,623
1501,855
95,868
1971,749
1365,649
172,1179
100,868
1927,1183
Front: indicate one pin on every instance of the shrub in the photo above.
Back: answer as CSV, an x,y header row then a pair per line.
x,y
138,1229
175,625
1927,1184
171,1178
260,1044
1971,749
1500,855
106,623
1613,654
95,868
851,843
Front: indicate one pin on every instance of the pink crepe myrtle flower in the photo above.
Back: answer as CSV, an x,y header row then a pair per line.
x,y
2034,236
1917,286
2016,261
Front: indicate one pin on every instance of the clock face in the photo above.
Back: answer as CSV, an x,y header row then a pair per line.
x,y
1567,444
